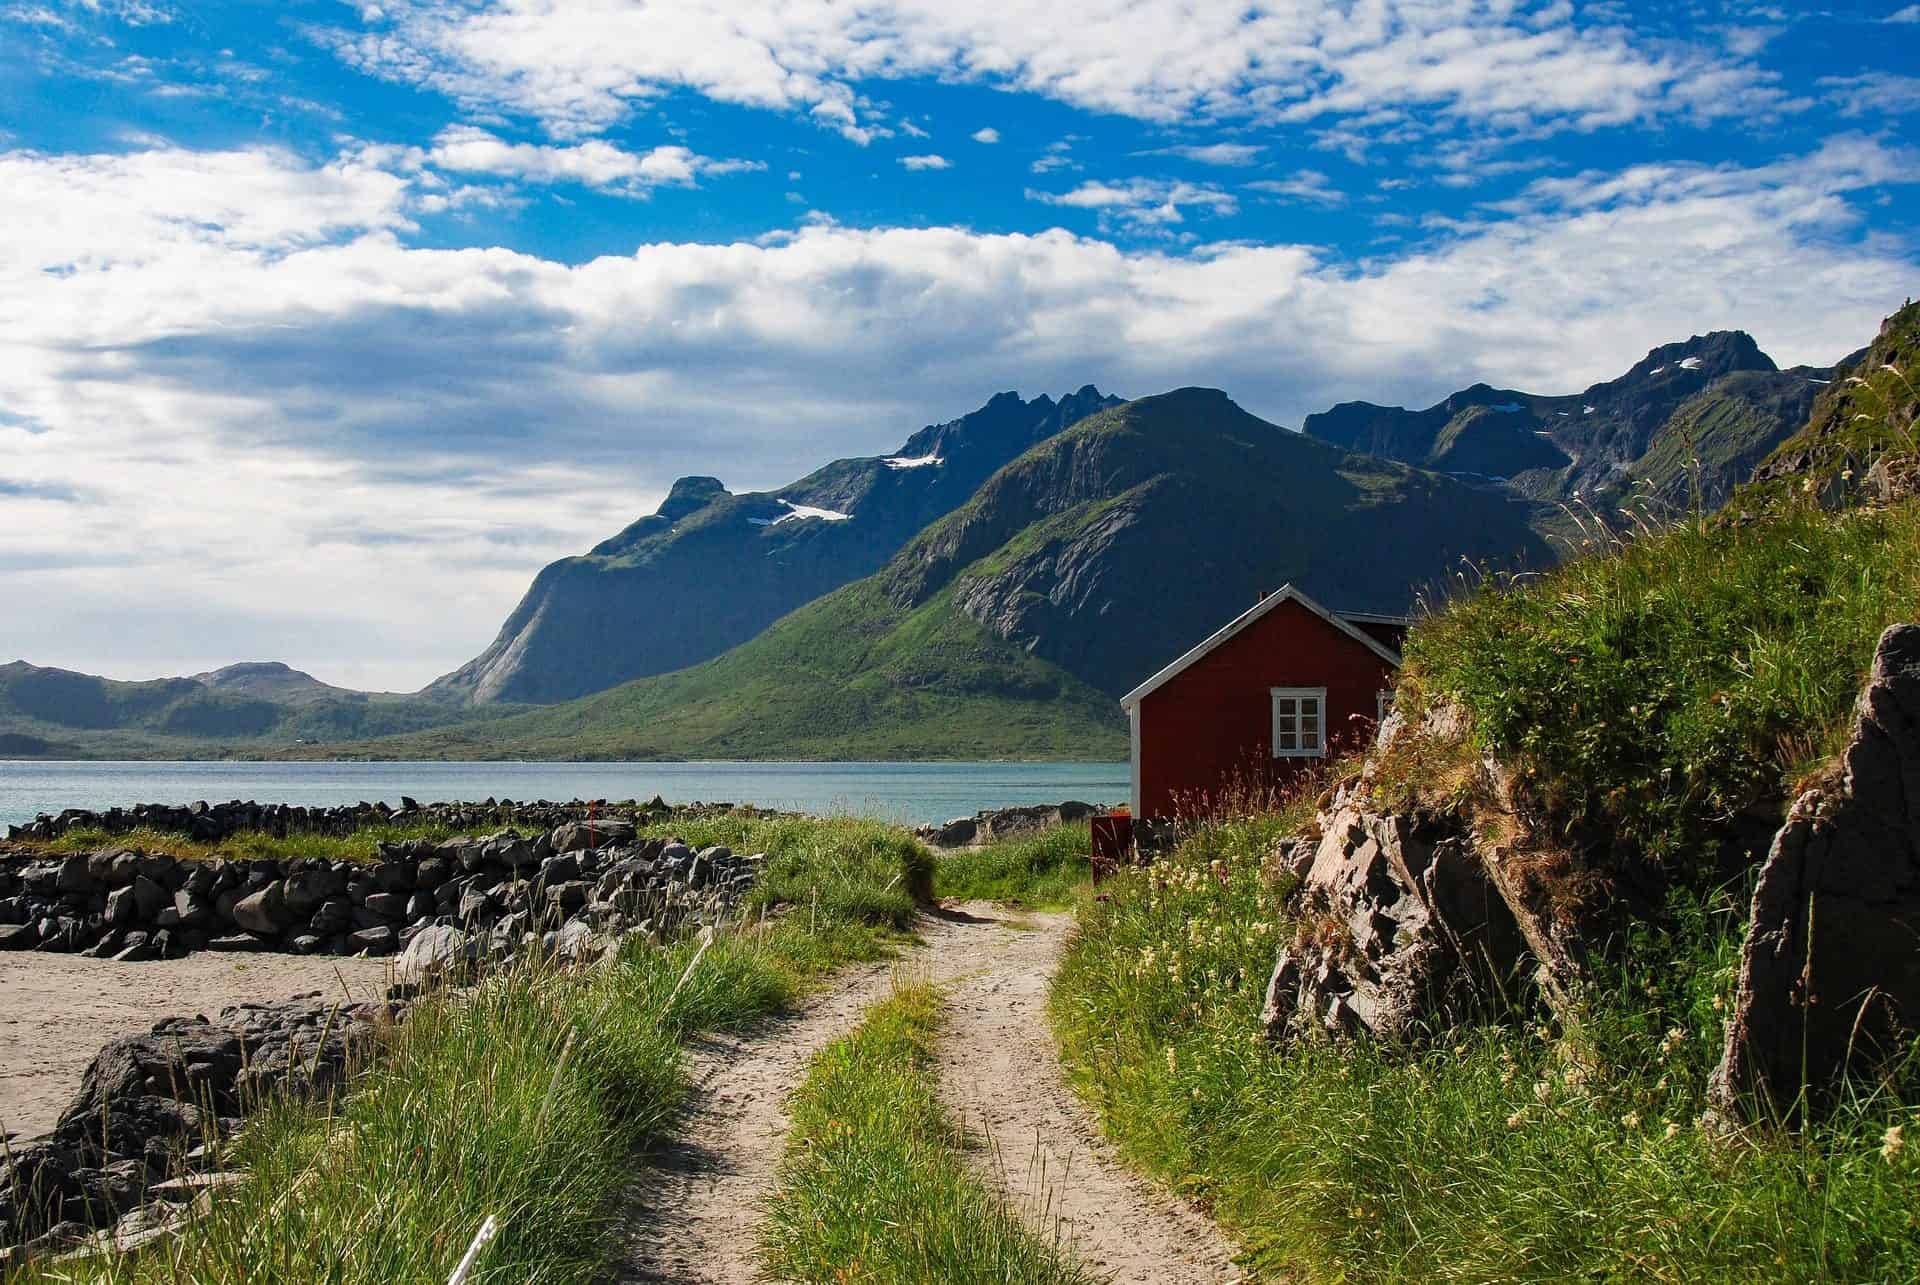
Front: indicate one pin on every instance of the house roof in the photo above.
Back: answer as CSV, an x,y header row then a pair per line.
x,y
1286,593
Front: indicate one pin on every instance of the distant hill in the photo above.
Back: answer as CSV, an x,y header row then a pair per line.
x,y
48,713
271,680
1715,399
1008,627
711,569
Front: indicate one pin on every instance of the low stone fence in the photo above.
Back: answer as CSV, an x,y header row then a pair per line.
x,y
129,905
215,822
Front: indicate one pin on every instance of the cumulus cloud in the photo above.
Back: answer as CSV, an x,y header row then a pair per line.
x,y
232,359
986,134
580,65
1909,14
926,162
467,149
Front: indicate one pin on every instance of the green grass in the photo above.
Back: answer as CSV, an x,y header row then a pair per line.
x,y
1045,870
360,845
1481,1154
524,1098
875,1187
1652,690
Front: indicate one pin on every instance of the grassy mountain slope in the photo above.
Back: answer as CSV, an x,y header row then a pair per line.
x,y
712,569
853,675
1867,414
1007,628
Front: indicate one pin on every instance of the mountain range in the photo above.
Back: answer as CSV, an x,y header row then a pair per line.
x,y
988,589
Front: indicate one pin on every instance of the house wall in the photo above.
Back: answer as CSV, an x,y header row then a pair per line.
x,y
1215,719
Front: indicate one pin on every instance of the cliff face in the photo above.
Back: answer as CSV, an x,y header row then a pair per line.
x,y
711,569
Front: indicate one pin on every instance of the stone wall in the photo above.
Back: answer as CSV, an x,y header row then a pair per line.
x,y
215,822
129,905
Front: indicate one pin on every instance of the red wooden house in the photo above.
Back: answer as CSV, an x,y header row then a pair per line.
x,y
1278,687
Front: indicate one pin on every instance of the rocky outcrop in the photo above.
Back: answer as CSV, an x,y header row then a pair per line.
x,y
156,1106
1396,918
131,905
1830,975
992,825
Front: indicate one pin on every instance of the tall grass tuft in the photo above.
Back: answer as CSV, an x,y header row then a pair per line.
x,y
875,1189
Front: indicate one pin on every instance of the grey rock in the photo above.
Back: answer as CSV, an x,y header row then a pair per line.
x,y
264,912
433,952
378,940
1830,974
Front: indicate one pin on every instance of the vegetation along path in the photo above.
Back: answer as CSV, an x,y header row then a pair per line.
x,y
697,1210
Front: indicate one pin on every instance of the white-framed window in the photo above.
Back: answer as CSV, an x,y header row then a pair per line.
x,y
1382,706
1299,722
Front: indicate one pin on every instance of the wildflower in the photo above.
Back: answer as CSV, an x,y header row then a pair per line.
x,y
1674,1038
1631,1120
1542,1090
1173,1064
1892,1142
1672,1131
1514,1120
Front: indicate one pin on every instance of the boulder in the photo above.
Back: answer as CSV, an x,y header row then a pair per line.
x,y
1830,974
307,890
264,912
434,951
378,940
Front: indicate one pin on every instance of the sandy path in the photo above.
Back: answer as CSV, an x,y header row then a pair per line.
x,y
696,1209
999,1072
57,1010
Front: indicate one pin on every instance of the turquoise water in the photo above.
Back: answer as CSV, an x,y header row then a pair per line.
x,y
913,793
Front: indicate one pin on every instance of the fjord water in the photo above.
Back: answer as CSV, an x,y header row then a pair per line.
x,y
913,793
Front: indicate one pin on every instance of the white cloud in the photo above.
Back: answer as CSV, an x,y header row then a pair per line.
x,y
1909,14
1309,186
927,162
985,134
232,363
581,65
1142,202
1873,93
1234,154
466,149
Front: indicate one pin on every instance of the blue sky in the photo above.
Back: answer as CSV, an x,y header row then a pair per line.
x,y
305,302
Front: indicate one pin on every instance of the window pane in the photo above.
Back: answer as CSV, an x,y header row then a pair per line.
x,y
1284,706
1287,740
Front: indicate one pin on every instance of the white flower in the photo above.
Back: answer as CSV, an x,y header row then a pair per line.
x,y
1892,1142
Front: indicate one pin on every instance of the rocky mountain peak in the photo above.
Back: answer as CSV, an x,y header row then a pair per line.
x,y
689,495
